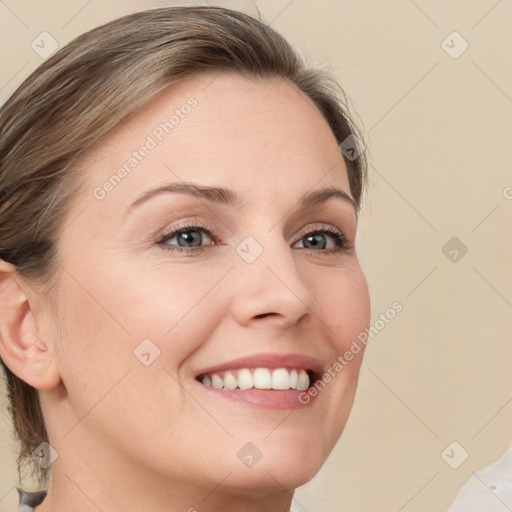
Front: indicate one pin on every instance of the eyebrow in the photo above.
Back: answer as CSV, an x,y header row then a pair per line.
x,y
228,197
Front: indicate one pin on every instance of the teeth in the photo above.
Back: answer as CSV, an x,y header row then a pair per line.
x,y
259,378
294,378
280,379
230,381
303,381
217,382
262,378
245,380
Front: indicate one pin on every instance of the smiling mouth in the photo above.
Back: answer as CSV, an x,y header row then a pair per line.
x,y
279,379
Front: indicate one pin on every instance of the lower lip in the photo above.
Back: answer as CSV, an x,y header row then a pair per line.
x,y
264,398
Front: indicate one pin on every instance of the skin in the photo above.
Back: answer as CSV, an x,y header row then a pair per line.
x,y
131,436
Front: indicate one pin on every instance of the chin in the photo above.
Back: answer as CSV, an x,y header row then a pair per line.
x,y
275,476
286,459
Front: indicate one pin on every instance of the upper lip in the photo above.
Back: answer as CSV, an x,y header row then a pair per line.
x,y
267,360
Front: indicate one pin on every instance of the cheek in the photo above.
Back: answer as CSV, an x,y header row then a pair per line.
x,y
344,305
176,306
94,345
115,308
345,312
107,316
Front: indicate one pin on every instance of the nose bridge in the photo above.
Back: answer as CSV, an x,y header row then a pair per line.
x,y
269,281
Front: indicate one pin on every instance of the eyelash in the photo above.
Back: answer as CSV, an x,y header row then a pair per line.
x,y
341,242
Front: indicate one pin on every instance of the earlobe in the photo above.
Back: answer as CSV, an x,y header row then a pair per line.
x,y
22,347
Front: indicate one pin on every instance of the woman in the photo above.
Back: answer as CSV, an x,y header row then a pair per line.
x,y
179,279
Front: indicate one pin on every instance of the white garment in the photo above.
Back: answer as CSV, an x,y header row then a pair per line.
x,y
489,489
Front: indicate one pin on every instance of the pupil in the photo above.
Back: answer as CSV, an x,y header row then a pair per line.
x,y
316,240
189,238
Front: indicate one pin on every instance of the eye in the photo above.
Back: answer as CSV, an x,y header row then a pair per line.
x,y
194,238
317,240
189,238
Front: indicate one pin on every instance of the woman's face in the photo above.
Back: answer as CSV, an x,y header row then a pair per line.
x,y
142,314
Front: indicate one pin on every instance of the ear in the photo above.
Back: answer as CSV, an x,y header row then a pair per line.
x,y
22,348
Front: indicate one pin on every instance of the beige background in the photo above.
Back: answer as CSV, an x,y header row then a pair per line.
x,y
439,133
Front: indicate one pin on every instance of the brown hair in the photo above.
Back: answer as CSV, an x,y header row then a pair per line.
x,y
83,91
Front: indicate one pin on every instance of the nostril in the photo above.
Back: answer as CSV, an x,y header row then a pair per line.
x,y
263,315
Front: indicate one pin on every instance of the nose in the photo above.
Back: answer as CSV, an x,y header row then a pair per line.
x,y
271,290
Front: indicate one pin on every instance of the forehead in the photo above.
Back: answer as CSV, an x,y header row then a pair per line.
x,y
218,128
